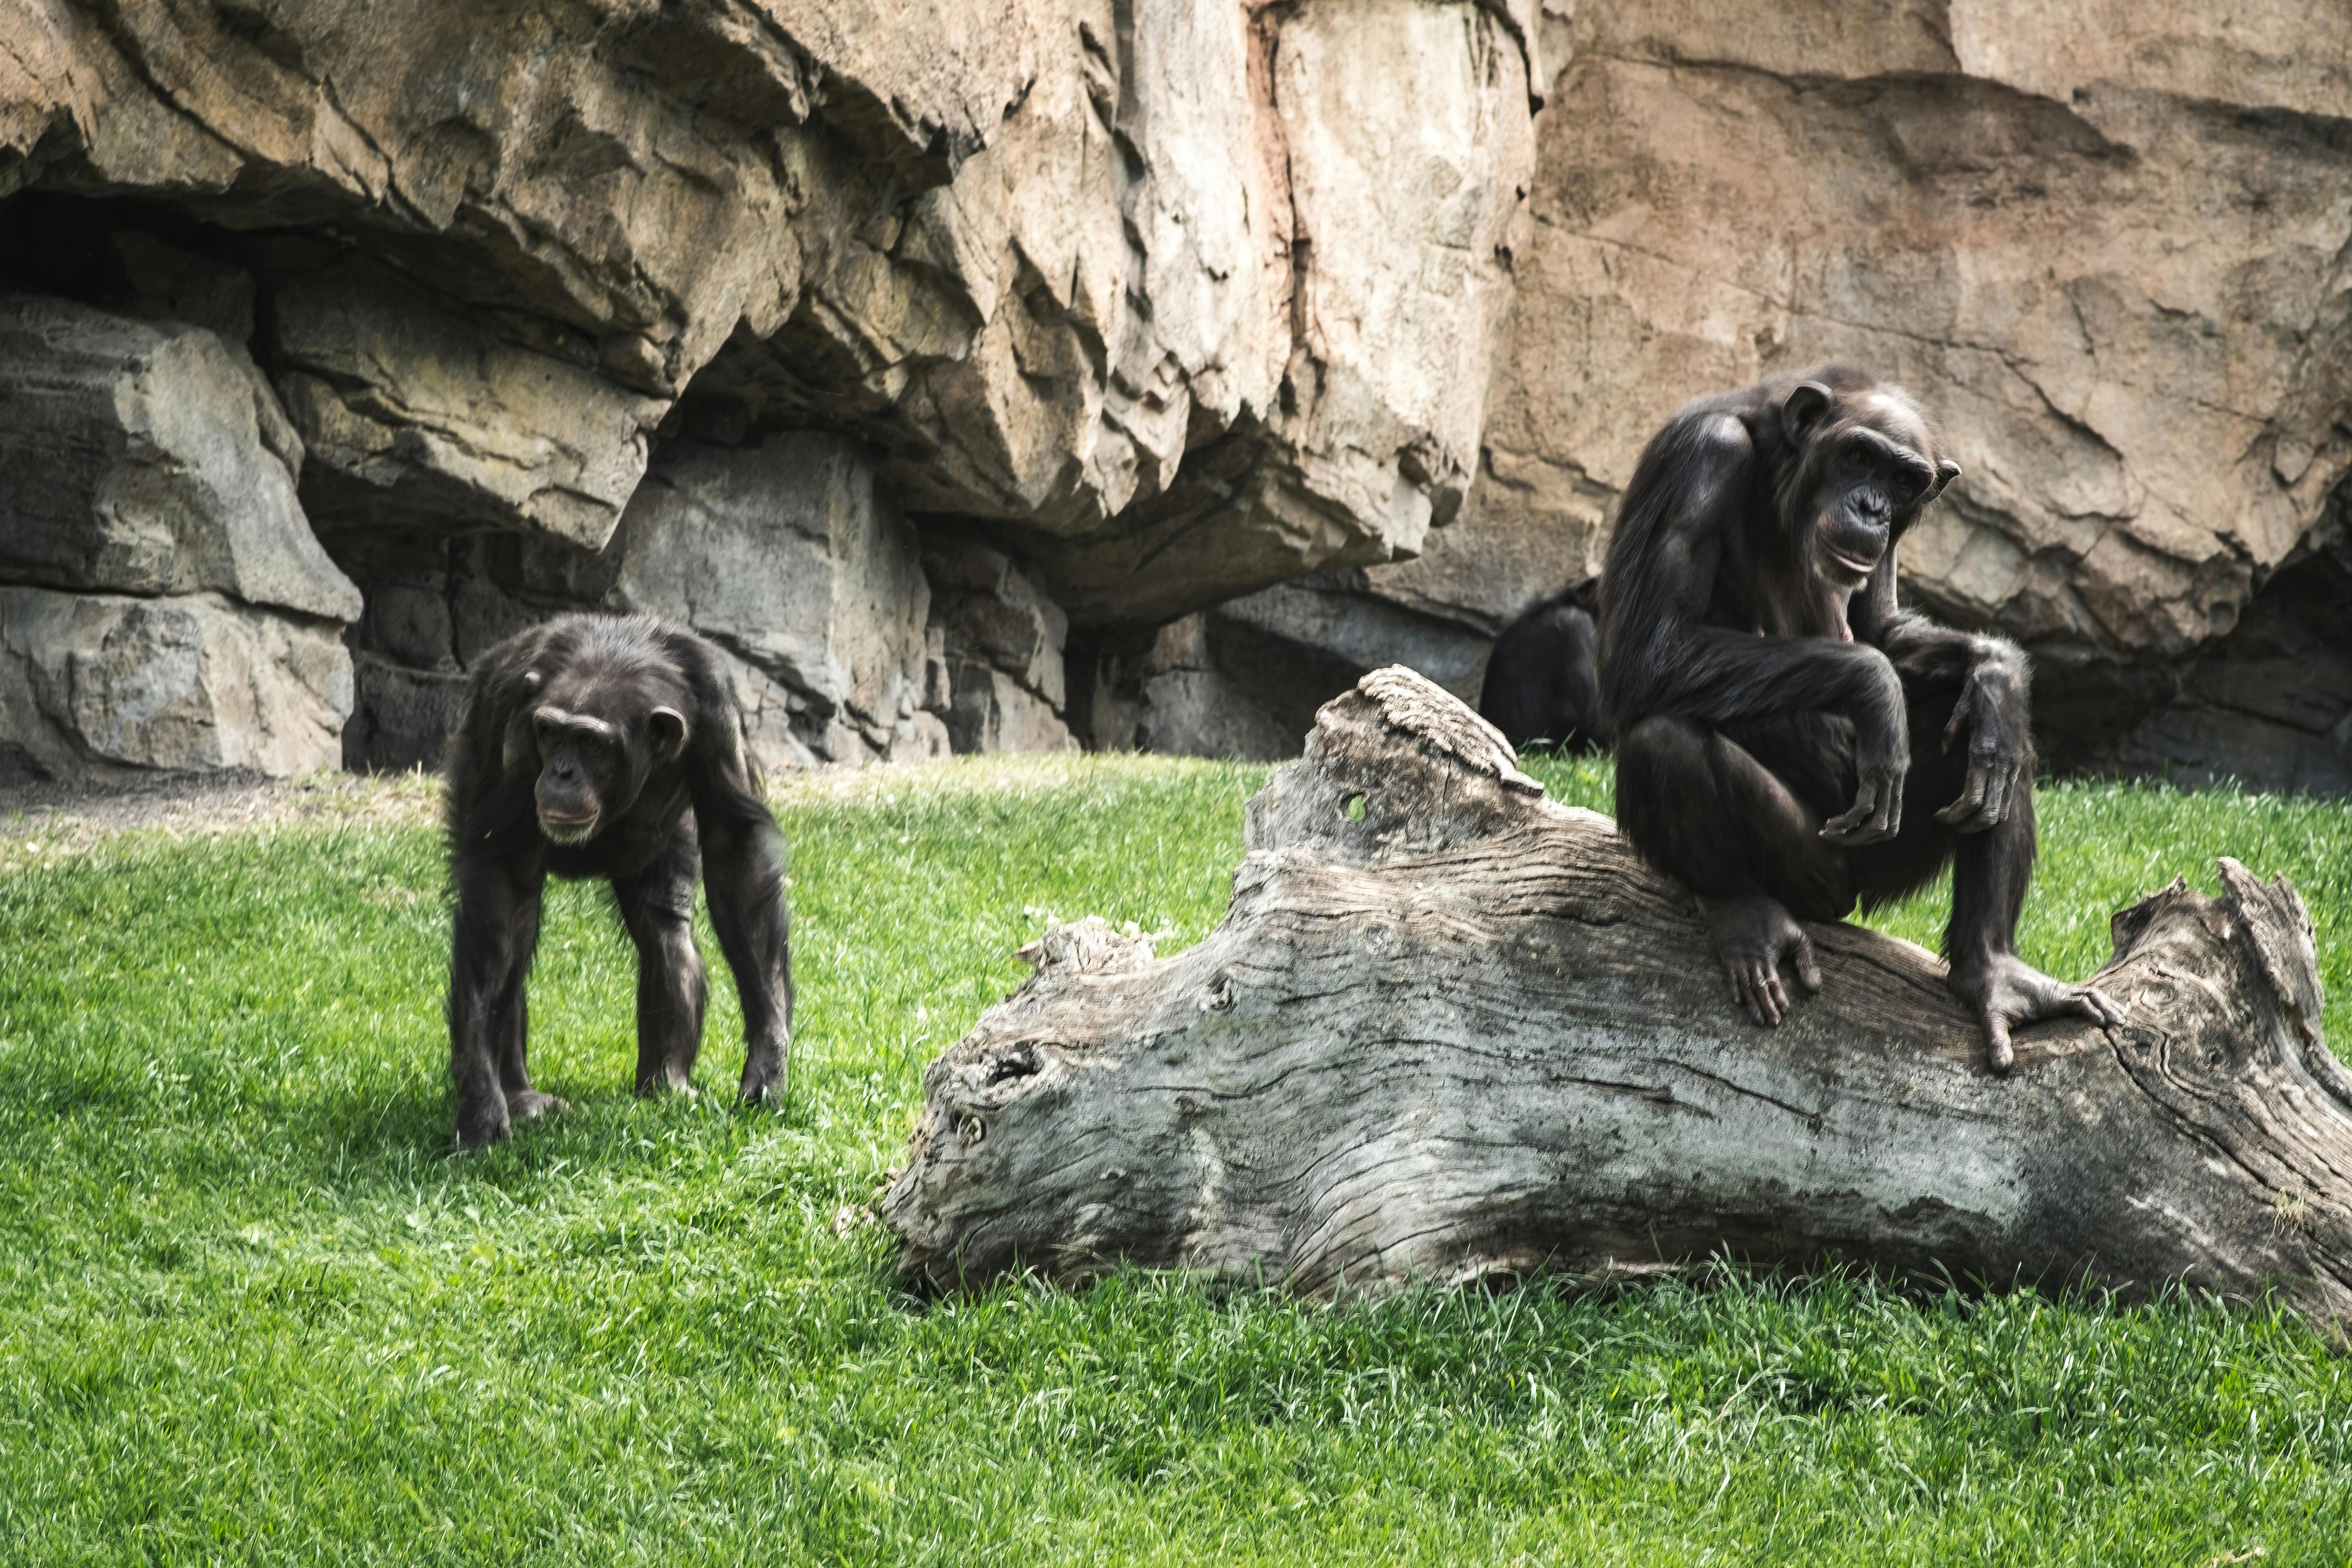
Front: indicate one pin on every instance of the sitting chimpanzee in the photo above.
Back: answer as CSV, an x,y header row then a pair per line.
x,y
599,746
1542,686
1785,733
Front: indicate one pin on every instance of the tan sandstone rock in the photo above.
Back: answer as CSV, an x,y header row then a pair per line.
x,y
413,415
2111,253
793,560
1001,645
150,458
1168,303
164,603
1037,251
103,685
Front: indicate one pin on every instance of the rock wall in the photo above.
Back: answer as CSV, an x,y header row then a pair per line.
x,y
1162,300
414,416
795,561
1246,678
2271,702
788,554
1001,651
2108,247
164,603
988,373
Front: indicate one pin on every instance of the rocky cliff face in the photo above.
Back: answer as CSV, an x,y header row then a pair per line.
x,y
162,601
1166,300
2108,247
1023,372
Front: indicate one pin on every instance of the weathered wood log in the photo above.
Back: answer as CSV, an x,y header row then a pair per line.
x,y
1450,1029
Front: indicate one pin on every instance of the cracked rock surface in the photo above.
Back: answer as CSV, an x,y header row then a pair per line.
x,y
1338,323
163,604
2108,248
1034,251
1163,300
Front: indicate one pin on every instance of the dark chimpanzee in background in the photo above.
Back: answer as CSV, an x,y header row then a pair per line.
x,y
1542,684
1785,732
598,746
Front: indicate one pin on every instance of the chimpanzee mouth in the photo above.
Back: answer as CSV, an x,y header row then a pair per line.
x,y
568,829
1846,565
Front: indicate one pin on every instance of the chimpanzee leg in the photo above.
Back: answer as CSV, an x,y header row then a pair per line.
x,y
1991,868
510,1023
492,944
1700,805
744,879
1990,873
510,1009
658,907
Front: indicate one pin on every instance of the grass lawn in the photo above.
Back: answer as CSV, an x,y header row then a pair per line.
x,y
250,1311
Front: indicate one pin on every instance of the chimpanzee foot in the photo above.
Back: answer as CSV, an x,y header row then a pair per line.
x,y
672,1079
1752,935
764,1078
2006,991
528,1104
480,1126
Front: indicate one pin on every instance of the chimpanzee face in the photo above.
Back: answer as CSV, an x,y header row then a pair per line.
x,y
582,768
595,750
1865,470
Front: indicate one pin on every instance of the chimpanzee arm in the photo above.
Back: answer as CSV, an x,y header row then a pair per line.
x,y
1692,492
744,877
1991,709
489,948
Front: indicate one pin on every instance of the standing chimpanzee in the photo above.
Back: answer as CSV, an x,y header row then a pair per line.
x,y
1542,684
1771,699
601,746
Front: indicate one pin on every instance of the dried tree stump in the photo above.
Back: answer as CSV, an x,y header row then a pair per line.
x,y
1450,1029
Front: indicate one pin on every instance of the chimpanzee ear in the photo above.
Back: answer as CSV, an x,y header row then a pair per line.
x,y
1945,472
1802,409
666,726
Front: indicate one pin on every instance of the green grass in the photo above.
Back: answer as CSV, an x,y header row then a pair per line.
x,y
250,1311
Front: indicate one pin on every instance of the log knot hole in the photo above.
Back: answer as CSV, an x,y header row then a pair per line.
x,y
1016,1061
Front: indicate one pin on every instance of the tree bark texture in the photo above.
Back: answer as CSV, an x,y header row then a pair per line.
x,y
1449,1028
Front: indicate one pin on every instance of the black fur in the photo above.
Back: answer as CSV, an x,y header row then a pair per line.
x,y
669,796
1542,684
1785,731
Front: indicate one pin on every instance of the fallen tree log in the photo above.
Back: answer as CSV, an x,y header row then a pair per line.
x,y
1450,1029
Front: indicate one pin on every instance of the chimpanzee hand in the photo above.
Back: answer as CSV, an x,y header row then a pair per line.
x,y
2006,991
1883,755
1991,713
1752,935
1877,811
